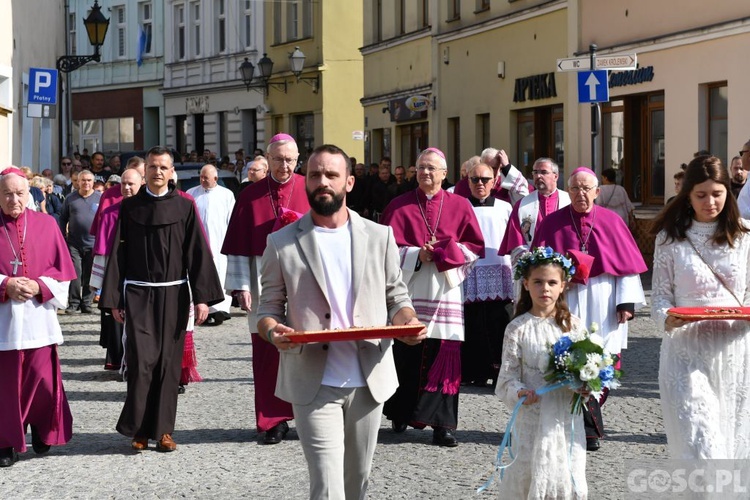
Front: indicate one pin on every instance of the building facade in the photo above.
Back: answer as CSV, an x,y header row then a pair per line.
x,y
321,104
27,139
206,103
463,75
117,104
689,92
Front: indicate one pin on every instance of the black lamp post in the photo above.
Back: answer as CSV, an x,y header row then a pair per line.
x,y
265,70
96,29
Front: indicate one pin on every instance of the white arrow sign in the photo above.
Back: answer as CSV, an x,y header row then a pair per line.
x,y
592,82
612,62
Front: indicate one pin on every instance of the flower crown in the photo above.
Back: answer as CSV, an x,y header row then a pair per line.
x,y
540,256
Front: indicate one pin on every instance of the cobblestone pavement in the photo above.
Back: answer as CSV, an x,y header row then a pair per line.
x,y
219,455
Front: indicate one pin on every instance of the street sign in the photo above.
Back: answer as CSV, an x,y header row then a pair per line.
x,y
592,86
613,62
42,86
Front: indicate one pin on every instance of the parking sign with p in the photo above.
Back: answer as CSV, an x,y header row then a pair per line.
x,y
42,86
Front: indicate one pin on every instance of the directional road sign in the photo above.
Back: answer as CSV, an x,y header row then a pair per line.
x,y
613,62
42,86
592,86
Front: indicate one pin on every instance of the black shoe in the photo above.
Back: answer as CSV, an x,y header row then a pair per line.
x,y
276,434
40,447
398,426
593,444
86,310
218,319
71,310
8,457
444,437
181,389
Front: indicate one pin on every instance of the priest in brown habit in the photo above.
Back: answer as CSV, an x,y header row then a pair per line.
x,y
160,255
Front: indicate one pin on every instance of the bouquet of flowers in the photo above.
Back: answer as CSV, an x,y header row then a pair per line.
x,y
579,358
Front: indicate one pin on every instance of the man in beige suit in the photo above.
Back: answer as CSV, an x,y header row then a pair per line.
x,y
333,269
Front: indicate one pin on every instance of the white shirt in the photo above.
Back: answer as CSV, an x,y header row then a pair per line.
x,y
342,366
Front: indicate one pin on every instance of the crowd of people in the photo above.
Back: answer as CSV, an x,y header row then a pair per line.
x,y
324,245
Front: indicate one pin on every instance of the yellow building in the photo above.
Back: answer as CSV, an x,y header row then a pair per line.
x,y
463,76
689,93
329,35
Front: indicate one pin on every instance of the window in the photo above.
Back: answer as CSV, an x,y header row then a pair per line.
x,y
717,120
454,143
147,20
401,16
292,20
220,16
277,21
304,128
483,132
424,13
247,25
108,134
482,5
307,18
222,132
72,33
179,43
454,10
195,17
377,20
120,30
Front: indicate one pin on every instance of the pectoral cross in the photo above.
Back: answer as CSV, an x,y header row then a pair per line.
x,y
583,248
15,263
433,240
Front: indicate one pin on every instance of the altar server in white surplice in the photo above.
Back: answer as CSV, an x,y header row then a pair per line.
x,y
215,204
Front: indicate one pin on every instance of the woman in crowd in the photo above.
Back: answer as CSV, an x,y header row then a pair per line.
x,y
614,197
701,260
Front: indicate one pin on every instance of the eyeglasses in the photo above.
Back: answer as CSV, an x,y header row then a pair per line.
x,y
66,163
280,159
429,169
581,189
744,151
541,172
485,180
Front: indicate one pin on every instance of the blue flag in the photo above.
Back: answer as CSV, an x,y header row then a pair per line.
x,y
141,46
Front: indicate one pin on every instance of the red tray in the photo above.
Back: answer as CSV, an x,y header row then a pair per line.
x,y
698,313
380,332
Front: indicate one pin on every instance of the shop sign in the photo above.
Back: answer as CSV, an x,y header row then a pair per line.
x,y
535,87
409,108
196,105
634,77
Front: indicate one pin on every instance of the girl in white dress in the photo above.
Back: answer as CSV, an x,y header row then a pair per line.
x,y
546,466
701,260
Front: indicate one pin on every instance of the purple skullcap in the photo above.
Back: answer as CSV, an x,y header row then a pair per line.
x,y
13,170
436,151
281,137
583,170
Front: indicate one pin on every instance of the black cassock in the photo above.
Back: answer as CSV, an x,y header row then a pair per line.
x,y
158,240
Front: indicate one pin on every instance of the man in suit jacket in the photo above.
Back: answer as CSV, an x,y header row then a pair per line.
x,y
343,384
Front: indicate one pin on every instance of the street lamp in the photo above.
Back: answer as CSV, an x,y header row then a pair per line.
x,y
265,70
96,29
297,63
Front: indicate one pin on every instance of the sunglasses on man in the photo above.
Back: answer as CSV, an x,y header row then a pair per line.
x,y
475,180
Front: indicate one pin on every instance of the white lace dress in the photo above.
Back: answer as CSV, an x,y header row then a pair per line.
x,y
704,368
545,465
